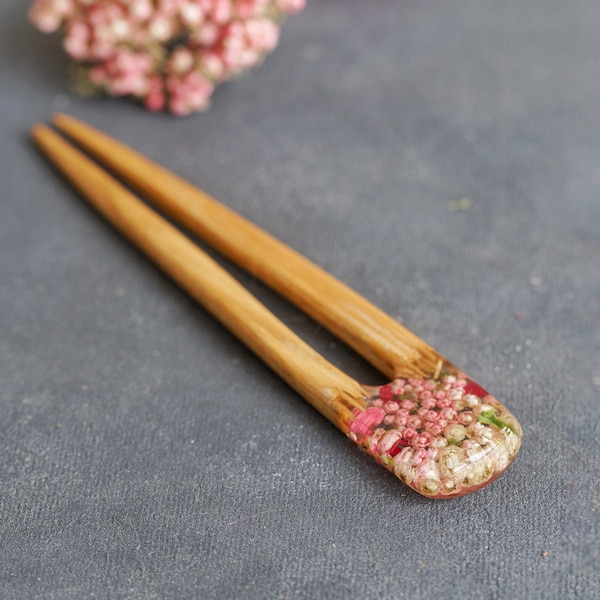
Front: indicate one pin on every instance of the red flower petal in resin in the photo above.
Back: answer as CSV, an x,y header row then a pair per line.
x,y
474,388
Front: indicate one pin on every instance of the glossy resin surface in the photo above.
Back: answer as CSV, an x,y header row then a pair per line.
x,y
444,437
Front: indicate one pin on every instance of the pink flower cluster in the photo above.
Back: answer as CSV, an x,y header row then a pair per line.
x,y
443,437
170,54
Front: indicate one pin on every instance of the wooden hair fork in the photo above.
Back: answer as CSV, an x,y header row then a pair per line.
x,y
432,426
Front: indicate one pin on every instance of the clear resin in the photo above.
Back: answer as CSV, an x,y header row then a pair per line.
x,y
444,437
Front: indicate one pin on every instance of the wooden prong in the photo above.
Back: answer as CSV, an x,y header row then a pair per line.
x,y
379,338
328,389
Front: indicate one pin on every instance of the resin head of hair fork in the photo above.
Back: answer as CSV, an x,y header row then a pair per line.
x,y
432,426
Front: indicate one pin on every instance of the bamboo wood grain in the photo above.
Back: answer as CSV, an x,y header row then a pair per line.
x,y
328,389
386,344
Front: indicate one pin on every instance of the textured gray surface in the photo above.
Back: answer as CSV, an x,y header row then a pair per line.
x,y
146,454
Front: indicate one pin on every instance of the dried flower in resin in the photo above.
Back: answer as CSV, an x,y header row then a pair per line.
x,y
445,436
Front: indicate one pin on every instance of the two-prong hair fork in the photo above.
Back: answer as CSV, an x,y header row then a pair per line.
x,y
434,427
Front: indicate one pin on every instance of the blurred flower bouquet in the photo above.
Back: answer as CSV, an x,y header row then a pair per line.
x,y
169,54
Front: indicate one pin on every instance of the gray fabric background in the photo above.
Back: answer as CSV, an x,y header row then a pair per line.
x,y
146,454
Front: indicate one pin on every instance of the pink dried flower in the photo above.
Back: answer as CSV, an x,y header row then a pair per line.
x,y
167,53
409,433
389,419
428,402
466,417
444,402
262,34
422,440
188,93
400,419
434,428
415,421
449,414
366,420
432,415
290,6
391,407
408,404
397,386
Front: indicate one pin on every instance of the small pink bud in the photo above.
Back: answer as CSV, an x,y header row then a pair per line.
x,y
449,414
415,421
466,417
422,440
391,407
